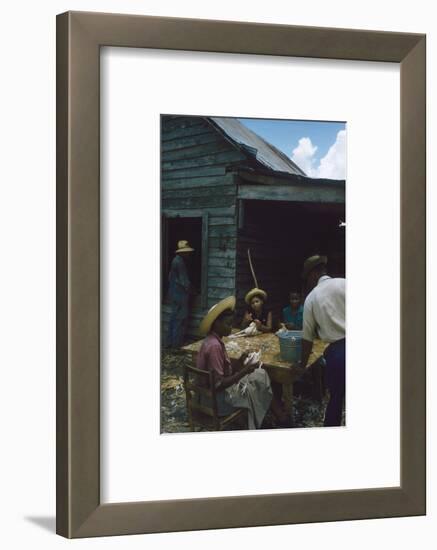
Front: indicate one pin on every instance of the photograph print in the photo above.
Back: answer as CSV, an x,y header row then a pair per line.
x,y
253,229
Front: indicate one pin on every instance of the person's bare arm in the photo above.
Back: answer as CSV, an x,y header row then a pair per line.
x,y
307,347
247,319
268,326
241,370
227,381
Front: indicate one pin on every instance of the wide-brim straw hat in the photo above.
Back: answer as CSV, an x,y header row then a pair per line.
x,y
183,246
255,292
214,312
312,262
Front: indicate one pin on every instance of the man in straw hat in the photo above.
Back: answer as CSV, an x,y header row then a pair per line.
x,y
324,318
179,294
247,387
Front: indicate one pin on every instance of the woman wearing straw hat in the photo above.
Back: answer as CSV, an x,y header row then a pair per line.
x,y
179,294
257,311
248,387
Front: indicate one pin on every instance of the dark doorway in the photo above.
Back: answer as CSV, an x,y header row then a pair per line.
x,y
280,236
178,229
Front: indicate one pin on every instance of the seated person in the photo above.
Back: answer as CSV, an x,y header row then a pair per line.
x,y
257,311
212,356
292,315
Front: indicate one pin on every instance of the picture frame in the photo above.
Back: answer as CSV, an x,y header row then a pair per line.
x,y
79,512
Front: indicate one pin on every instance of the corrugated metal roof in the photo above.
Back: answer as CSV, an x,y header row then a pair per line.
x,y
264,152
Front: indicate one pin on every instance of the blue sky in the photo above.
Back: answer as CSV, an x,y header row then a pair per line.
x,y
319,148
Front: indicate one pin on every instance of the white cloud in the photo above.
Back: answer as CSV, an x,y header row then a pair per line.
x,y
303,155
331,166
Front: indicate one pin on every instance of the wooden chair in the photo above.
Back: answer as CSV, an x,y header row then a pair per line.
x,y
199,382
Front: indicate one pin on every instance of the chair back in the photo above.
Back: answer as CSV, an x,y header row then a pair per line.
x,y
200,383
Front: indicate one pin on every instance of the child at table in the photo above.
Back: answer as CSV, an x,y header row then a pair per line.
x,y
292,314
257,311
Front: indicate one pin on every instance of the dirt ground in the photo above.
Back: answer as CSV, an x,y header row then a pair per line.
x,y
306,413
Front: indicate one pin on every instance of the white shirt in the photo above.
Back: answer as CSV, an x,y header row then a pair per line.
x,y
324,311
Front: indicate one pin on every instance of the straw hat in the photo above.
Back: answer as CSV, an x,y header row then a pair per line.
x,y
312,262
183,246
214,312
255,292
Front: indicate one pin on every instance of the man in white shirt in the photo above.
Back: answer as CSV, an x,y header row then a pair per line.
x,y
324,318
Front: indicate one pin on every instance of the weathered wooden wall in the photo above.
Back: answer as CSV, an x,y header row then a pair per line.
x,y
280,230
194,158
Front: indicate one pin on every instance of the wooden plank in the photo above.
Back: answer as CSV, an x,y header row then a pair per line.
x,y
187,124
220,271
221,282
171,122
178,132
204,267
218,294
293,193
219,190
199,389
200,171
194,182
240,213
222,220
195,203
220,254
195,151
248,178
193,213
226,263
225,158
223,230
223,243
176,144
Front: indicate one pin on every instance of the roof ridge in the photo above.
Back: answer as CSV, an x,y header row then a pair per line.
x,y
268,154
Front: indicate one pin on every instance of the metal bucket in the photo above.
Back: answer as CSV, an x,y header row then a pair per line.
x,y
290,345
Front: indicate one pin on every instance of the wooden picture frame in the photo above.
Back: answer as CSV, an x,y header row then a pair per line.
x,y
79,38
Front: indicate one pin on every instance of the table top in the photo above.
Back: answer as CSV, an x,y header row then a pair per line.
x,y
267,343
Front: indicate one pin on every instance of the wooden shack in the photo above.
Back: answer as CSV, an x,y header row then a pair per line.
x,y
225,189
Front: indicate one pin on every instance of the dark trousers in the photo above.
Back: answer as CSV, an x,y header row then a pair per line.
x,y
176,332
178,321
335,357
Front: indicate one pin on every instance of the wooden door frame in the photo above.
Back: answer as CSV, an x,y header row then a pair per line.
x,y
169,213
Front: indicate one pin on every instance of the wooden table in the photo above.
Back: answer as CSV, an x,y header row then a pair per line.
x,y
279,370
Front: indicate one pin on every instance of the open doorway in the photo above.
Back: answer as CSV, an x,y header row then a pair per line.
x,y
188,229
280,236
